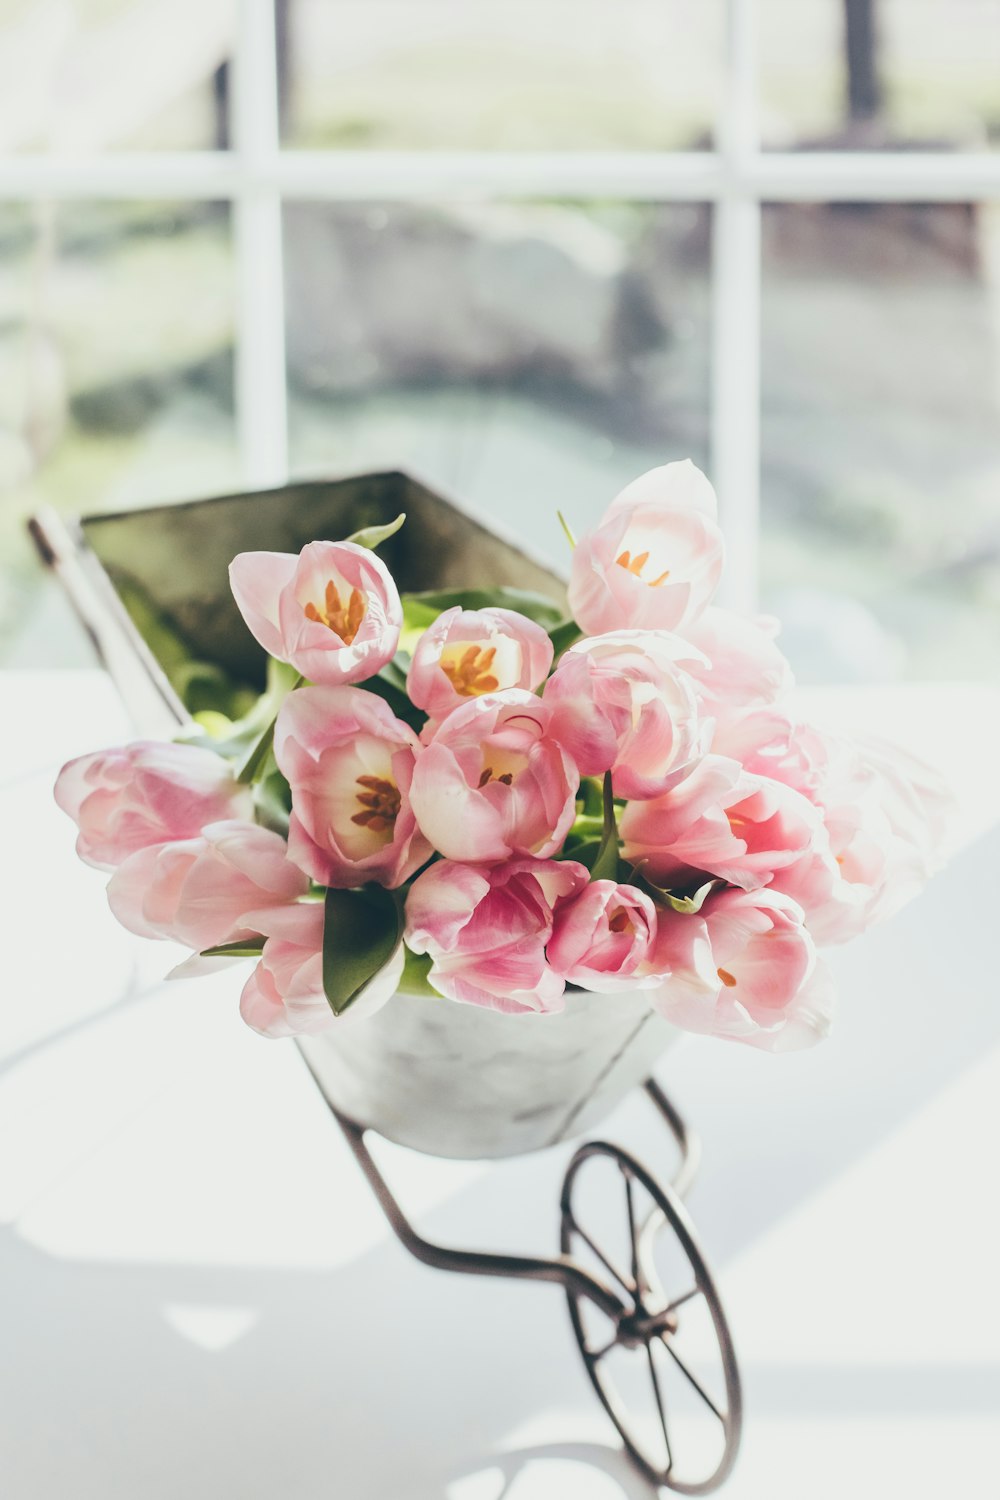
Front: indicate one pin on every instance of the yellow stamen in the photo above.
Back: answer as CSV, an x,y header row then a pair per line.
x,y
343,622
635,565
487,776
379,802
469,670
620,921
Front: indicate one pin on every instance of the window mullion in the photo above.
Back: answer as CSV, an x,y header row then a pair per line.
x,y
261,388
736,269
689,177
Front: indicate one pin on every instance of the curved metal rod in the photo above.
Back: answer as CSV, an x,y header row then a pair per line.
x,y
563,1269
687,1140
689,1145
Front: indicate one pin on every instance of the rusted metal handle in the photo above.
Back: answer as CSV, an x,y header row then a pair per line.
x,y
561,1269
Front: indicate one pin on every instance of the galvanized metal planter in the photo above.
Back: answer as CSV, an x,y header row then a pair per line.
x,y
447,1079
455,1080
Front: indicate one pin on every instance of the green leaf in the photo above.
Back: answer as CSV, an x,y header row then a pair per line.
x,y
585,826
217,726
385,686
253,763
228,737
273,802
524,601
416,968
248,948
202,685
591,795
605,866
370,536
361,931
282,678
252,766
562,637
584,851
686,905
416,618
394,672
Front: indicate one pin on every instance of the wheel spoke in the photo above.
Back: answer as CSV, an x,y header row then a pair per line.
x,y
596,1354
633,1229
660,1407
691,1379
623,1282
680,1301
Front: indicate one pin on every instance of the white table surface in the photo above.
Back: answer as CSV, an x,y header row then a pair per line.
x,y
199,1297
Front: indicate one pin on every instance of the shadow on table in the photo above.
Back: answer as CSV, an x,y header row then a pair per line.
x,y
380,1379
917,1006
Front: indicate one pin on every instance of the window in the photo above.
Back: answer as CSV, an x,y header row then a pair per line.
x,y
528,249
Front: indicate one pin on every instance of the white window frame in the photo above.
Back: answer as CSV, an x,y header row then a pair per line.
x,y
257,176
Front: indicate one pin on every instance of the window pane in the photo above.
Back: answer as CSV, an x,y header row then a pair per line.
x,y
116,328
94,75
524,357
882,439
880,73
502,74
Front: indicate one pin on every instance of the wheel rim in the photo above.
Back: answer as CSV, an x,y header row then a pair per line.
x,y
681,1427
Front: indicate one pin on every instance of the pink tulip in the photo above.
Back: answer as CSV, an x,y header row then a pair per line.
x,y
680,485
284,995
917,803
654,561
622,703
146,793
349,762
468,652
768,741
744,968
720,821
883,815
740,666
603,938
198,891
332,612
881,859
493,783
486,930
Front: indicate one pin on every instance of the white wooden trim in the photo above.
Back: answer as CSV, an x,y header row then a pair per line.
x,y
257,177
736,272
840,177
261,385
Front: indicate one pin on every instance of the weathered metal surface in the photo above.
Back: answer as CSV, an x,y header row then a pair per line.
x,y
460,1081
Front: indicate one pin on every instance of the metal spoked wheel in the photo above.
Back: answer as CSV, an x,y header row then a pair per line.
x,y
665,1372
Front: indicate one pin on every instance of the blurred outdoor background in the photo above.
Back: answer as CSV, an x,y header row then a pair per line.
x,y
523,354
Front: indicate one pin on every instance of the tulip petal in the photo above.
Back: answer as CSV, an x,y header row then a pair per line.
x,y
257,579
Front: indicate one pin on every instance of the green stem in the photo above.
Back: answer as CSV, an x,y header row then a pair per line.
x,y
610,825
605,866
566,528
258,752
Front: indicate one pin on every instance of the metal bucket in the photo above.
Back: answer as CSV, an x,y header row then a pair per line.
x,y
449,1079
457,1080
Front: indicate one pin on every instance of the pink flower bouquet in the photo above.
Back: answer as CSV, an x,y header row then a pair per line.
x,y
466,795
